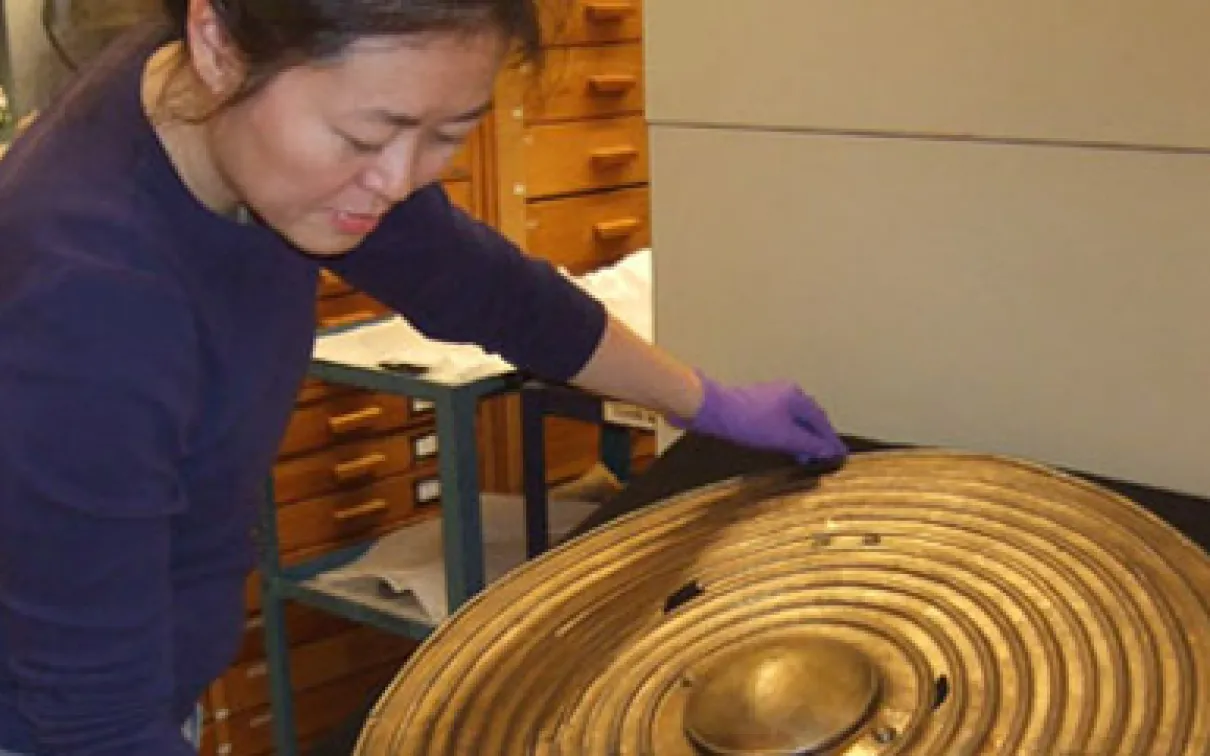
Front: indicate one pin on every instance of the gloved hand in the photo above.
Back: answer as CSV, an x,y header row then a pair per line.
x,y
775,416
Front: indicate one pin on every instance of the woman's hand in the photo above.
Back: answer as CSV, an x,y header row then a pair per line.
x,y
777,416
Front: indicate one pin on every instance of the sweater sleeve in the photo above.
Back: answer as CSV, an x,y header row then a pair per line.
x,y
96,376
458,280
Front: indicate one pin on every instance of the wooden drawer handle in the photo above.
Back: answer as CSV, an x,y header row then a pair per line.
x,y
257,671
611,84
377,506
259,721
616,229
357,468
611,156
342,320
354,420
601,11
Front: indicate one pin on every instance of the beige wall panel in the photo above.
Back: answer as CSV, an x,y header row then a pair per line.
x,y
1118,71
1050,303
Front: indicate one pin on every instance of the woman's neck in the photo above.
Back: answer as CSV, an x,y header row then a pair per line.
x,y
170,90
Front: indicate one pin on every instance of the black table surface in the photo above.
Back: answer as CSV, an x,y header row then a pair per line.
x,y
695,461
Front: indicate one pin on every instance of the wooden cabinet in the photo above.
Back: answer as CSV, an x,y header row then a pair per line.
x,y
560,167
571,167
587,232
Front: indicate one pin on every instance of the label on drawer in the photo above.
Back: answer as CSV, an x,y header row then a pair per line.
x,y
425,446
428,491
620,413
420,406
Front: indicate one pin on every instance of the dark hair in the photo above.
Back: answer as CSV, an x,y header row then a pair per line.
x,y
274,35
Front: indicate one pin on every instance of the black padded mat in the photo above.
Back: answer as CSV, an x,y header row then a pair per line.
x,y
695,461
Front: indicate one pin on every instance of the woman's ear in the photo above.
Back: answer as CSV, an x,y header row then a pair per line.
x,y
214,55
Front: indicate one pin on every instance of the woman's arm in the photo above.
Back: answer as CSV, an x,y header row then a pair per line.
x,y
776,416
459,280
627,367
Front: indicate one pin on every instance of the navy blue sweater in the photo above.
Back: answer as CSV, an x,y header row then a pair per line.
x,y
150,353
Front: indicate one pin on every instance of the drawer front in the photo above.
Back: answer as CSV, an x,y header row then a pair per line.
x,y
587,21
461,193
585,233
571,157
573,447
246,686
332,285
314,390
316,711
356,416
354,464
341,517
348,309
252,590
588,82
210,744
303,625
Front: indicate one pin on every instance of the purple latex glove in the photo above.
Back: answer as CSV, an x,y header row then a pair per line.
x,y
775,416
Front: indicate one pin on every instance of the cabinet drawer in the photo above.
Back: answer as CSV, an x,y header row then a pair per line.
x,y
209,745
573,447
461,194
252,586
354,464
349,417
587,21
314,390
332,285
585,233
571,157
246,686
361,513
348,309
316,711
304,625
587,82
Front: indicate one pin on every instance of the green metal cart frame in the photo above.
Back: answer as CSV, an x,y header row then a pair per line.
x,y
455,407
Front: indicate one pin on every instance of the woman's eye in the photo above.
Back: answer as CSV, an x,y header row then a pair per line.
x,y
451,139
363,147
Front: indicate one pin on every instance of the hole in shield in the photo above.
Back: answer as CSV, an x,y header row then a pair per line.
x,y
683,595
941,691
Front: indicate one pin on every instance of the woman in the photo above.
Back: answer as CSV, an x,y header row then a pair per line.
x,y
161,229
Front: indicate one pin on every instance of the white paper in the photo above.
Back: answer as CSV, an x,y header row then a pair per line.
x,y
624,288
410,562
394,339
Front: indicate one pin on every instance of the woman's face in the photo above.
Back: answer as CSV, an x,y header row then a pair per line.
x,y
324,150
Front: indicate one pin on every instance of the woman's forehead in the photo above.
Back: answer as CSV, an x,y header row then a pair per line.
x,y
444,75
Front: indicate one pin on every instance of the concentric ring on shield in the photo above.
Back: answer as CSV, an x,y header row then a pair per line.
x,y
913,602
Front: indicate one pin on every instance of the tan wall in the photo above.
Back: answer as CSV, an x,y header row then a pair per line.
x,y
1022,290
27,48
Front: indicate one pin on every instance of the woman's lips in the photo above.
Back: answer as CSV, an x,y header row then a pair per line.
x,y
358,224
